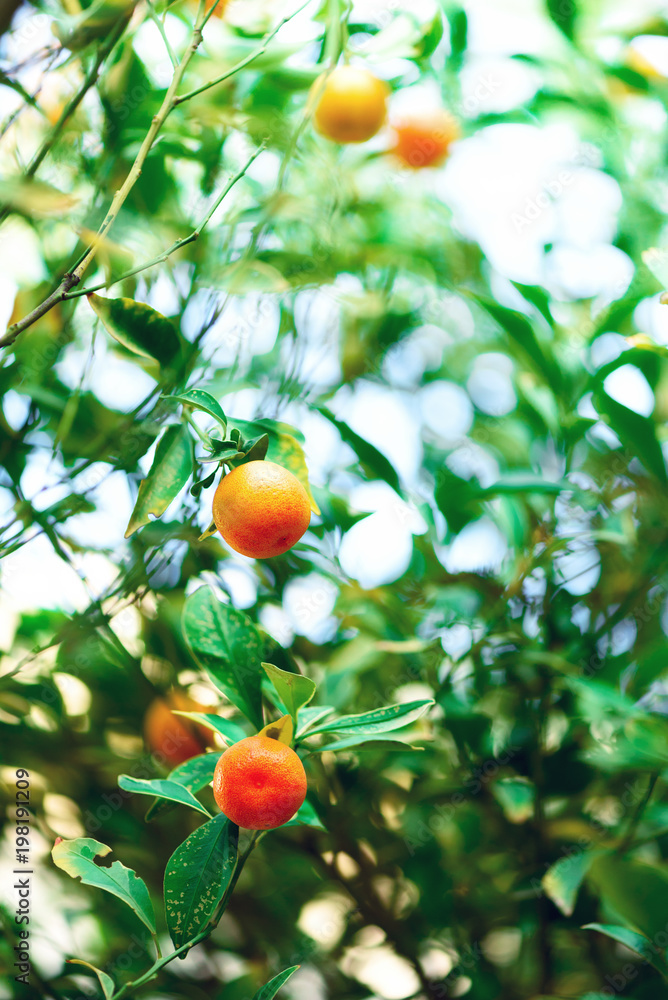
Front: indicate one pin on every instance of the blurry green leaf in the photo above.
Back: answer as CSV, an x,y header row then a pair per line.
x,y
516,797
369,741
636,892
138,327
563,879
270,989
199,399
637,433
196,876
194,774
636,942
162,788
522,333
227,645
35,198
170,471
564,14
458,22
372,460
77,858
294,690
380,720
106,982
75,33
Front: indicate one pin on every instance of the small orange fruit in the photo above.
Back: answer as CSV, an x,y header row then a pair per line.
x,y
352,105
176,738
424,140
220,9
259,783
261,509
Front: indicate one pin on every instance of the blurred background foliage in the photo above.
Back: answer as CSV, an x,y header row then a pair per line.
x,y
476,356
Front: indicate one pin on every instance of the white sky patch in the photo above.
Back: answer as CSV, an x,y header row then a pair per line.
x,y
629,386
479,546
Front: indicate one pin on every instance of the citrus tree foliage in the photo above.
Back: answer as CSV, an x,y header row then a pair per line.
x,y
484,736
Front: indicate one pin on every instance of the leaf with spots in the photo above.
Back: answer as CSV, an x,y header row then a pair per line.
x,y
162,788
270,989
380,720
77,858
138,327
197,875
226,643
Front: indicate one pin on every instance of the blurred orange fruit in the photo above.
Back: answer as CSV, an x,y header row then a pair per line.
x,y
424,139
176,738
352,104
261,509
259,783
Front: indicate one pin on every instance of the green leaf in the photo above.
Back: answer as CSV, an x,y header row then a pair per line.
x,y
230,731
162,788
637,433
194,774
306,816
636,892
516,797
458,22
77,858
373,462
196,876
636,942
380,720
199,399
170,471
106,982
307,717
138,327
294,690
370,741
521,331
257,450
270,989
284,449
564,14
228,646
563,879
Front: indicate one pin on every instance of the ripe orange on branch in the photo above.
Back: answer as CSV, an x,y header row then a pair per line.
x,y
176,738
261,509
352,104
424,139
259,783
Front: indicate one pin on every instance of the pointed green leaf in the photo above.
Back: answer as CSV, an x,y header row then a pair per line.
x,y
199,399
636,432
138,327
257,450
516,797
170,471
294,690
162,788
194,774
230,731
370,741
520,329
636,892
636,942
270,989
562,881
380,720
564,14
306,816
77,858
227,645
374,463
106,982
196,876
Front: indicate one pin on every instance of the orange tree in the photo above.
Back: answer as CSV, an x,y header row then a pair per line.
x,y
230,243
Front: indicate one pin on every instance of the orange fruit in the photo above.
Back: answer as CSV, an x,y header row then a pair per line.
x,y
261,509
352,104
259,783
220,9
424,140
176,738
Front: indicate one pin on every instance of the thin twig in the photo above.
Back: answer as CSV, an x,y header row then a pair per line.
x,y
177,245
161,28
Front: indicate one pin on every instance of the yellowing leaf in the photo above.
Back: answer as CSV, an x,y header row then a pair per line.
x,y
281,730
